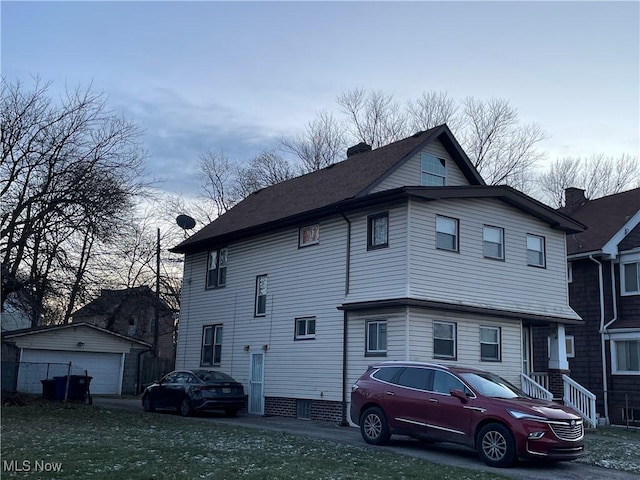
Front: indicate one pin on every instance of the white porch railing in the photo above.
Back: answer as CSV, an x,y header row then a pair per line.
x,y
533,388
541,378
580,399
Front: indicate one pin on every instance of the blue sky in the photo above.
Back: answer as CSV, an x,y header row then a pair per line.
x,y
235,75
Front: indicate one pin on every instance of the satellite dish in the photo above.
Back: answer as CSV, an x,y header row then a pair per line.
x,y
185,222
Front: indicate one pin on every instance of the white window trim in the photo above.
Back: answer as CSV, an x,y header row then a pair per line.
x,y
544,251
455,342
501,230
306,336
313,233
628,261
457,234
498,343
377,352
621,337
426,172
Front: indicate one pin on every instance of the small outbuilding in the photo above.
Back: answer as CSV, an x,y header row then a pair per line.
x,y
76,349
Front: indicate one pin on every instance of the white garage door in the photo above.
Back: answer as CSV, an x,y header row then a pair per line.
x,y
105,368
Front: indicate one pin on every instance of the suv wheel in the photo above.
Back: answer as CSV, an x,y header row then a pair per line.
x,y
496,445
374,427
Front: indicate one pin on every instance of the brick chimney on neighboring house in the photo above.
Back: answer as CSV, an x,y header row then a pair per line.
x,y
574,198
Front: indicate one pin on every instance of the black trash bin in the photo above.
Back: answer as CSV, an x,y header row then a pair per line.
x,y
48,389
78,387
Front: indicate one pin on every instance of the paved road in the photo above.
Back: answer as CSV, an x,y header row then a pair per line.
x,y
436,453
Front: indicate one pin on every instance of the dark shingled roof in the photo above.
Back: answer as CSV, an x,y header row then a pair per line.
x,y
110,300
604,217
349,184
351,178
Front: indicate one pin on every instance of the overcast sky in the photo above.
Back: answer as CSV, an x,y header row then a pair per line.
x,y
235,75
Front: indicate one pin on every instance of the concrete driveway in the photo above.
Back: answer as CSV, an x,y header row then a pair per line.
x,y
444,454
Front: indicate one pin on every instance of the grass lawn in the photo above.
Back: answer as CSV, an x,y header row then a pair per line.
x,y
93,442
613,447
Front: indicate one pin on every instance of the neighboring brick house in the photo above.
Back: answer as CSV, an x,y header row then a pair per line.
x,y
604,289
397,253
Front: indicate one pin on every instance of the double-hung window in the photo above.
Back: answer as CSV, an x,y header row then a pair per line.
x,y
444,340
261,296
447,233
493,242
376,338
630,273
217,268
434,171
626,356
305,328
535,251
378,231
211,345
490,344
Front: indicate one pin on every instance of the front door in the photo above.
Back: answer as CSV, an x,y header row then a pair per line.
x,y
256,384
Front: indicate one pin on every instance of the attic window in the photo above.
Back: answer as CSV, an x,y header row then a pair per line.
x,y
434,171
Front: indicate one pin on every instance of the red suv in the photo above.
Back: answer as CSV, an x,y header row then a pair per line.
x,y
466,406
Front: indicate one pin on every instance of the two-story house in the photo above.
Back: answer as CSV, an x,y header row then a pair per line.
x,y
604,288
397,253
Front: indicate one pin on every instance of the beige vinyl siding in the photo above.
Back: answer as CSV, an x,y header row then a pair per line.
x,y
409,173
68,338
467,277
379,273
302,282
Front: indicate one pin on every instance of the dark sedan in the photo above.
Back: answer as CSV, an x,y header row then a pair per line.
x,y
194,390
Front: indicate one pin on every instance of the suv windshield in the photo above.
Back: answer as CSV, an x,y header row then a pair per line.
x,y
491,385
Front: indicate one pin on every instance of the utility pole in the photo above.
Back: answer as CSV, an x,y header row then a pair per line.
x,y
156,320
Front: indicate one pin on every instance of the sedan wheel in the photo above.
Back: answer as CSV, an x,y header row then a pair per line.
x,y
373,426
185,407
147,404
496,446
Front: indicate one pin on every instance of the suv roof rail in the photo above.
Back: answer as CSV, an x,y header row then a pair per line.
x,y
407,363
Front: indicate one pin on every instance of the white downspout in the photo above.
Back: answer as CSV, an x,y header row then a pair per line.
x,y
602,345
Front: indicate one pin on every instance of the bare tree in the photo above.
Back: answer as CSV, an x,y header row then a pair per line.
x,y
265,169
69,171
217,177
373,117
502,149
598,175
321,144
432,109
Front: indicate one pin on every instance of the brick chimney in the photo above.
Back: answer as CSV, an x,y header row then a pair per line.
x,y
359,148
574,198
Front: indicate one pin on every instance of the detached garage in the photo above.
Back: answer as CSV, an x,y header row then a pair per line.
x,y
73,349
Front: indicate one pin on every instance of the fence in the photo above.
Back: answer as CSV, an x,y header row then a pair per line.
x,y
154,368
